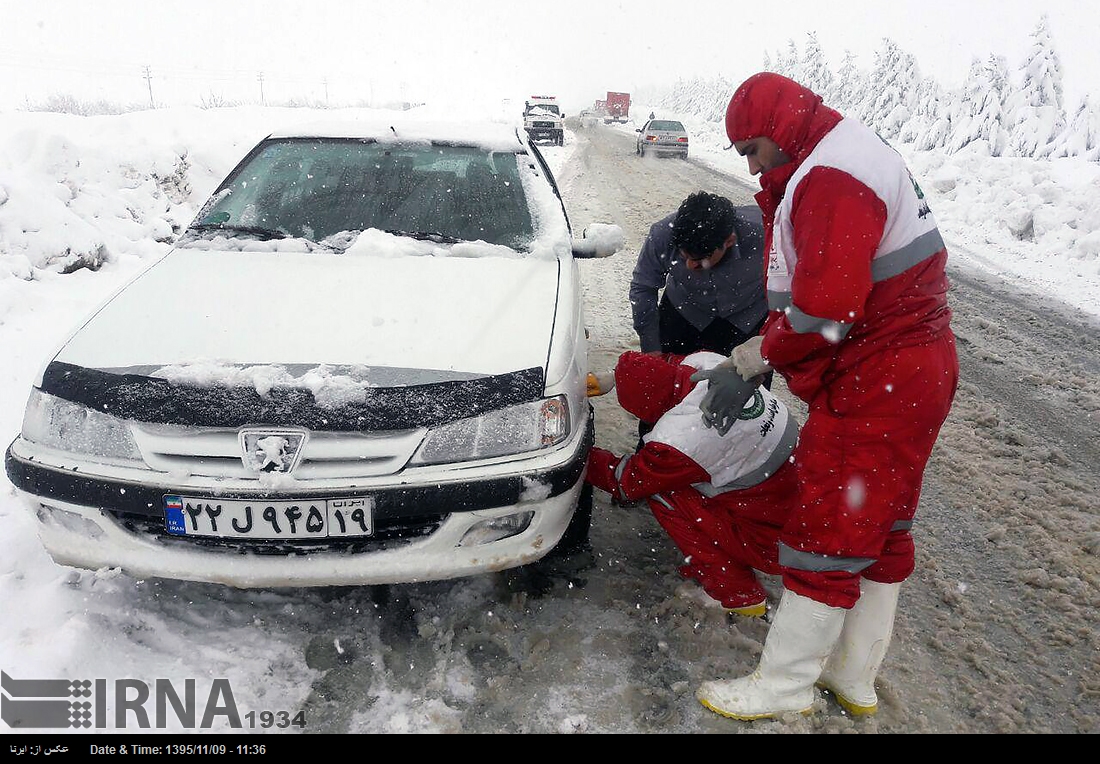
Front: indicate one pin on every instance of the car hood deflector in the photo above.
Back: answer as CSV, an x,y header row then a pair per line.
x,y
156,400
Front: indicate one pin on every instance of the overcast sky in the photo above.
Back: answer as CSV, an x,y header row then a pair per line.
x,y
418,50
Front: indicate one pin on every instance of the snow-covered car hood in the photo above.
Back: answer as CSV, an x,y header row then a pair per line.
x,y
460,316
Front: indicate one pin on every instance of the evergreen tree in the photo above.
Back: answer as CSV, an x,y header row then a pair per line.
x,y
848,86
1038,113
991,121
929,124
787,63
965,123
892,89
815,71
1081,138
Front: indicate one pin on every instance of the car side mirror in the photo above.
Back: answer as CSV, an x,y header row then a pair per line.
x,y
638,130
599,240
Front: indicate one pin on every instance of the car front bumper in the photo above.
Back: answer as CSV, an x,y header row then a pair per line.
x,y
421,531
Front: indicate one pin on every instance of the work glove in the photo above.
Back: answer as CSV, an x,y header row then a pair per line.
x,y
727,394
600,382
748,360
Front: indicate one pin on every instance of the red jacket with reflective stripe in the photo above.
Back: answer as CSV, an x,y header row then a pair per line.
x,y
836,224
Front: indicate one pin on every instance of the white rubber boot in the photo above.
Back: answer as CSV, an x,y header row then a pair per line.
x,y
851,670
802,635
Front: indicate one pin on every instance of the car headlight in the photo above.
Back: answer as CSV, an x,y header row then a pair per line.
x,y
513,430
67,426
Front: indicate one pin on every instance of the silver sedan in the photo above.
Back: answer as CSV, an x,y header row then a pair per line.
x,y
662,136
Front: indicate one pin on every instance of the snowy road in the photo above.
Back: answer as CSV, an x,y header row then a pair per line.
x,y
998,630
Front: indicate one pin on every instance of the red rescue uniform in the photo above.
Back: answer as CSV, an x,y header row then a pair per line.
x,y
858,327
721,498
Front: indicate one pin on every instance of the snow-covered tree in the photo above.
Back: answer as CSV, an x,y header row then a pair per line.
x,y
991,115
815,71
789,63
705,98
848,86
929,122
1081,138
891,91
980,113
767,63
1038,115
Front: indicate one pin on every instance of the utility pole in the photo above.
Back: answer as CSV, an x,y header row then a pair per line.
x,y
149,82
260,77
326,92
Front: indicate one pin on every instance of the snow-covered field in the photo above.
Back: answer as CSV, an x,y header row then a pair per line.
x,y
111,192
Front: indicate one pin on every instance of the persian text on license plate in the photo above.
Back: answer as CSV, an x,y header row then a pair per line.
x,y
236,518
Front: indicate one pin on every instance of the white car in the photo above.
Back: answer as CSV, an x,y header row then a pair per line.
x,y
364,362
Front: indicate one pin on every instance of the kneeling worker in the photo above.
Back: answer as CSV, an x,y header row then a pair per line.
x,y
722,498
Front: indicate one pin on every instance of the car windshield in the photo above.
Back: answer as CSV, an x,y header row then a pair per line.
x,y
546,108
316,188
665,124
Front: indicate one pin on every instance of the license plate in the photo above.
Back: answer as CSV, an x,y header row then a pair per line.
x,y
236,518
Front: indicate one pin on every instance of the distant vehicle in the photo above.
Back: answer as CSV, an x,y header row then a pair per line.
x,y
662,136
617,106
364,362
543,120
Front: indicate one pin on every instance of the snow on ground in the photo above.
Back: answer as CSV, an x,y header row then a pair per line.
x,y
111,192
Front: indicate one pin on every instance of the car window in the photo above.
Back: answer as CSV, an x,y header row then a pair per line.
x,y
666,124
547,108
316,188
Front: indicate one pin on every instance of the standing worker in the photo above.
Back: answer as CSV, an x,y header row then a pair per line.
x,y
859,327
708,258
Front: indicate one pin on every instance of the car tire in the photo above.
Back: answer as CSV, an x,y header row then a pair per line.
x,y
576,533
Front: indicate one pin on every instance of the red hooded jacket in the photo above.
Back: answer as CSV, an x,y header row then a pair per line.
x,y
837,223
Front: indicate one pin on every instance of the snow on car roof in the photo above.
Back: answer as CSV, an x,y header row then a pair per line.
x,y
493,136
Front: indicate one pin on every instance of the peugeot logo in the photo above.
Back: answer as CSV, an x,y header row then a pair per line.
x,y
271,450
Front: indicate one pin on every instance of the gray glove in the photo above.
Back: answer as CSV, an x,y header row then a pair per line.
x,y
727,394
748,360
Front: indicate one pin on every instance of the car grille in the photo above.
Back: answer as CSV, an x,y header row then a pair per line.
x,y
389,533
542,124
216,452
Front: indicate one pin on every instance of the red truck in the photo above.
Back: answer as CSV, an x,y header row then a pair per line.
x,y
617,107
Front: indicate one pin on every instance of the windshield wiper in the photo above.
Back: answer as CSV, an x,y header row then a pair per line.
x,y
265,233
436,236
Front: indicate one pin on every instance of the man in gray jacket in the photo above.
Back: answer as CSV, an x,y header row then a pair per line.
x,y
708,257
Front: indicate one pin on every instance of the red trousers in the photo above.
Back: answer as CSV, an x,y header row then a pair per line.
x,y
725,537
860,461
